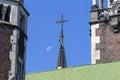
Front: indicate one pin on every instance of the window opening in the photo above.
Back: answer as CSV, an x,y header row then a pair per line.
x,y
1,9
7,15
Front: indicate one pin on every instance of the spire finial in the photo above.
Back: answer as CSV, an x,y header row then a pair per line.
x,y
61,58
62,21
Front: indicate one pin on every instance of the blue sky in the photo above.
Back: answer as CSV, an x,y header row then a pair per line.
x,y
43,33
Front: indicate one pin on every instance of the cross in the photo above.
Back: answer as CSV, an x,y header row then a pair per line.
x,y
62,21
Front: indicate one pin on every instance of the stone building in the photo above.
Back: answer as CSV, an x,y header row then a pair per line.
x,y
13,37
105,31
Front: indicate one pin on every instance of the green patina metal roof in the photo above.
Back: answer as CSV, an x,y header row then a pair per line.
x,y
107,71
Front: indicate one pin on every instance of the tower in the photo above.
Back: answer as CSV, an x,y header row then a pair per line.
x,y
13,36
61,57
105,31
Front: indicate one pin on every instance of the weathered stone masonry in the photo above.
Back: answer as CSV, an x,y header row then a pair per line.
x,y
109,45
95,54
5,48
105,32
13,37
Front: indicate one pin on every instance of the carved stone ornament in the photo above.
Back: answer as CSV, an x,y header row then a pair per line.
x,y
115,28
94,7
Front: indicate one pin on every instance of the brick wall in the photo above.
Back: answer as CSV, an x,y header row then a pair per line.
x,y
5,48
109,45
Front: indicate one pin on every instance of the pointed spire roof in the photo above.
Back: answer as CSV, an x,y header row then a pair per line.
x,y
61,58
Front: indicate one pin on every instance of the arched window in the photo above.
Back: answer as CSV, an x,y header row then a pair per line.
x,y
22,22
5,12
7,15
1,8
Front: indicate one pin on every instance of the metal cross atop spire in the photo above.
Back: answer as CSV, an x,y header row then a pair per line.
x,y
62,21
62,63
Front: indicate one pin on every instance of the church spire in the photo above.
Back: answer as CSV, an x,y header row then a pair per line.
x,y
61,58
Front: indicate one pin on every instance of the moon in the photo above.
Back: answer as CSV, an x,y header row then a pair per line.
x,y
49,48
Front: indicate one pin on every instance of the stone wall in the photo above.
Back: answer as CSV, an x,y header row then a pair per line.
x,y
109,45
5,48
